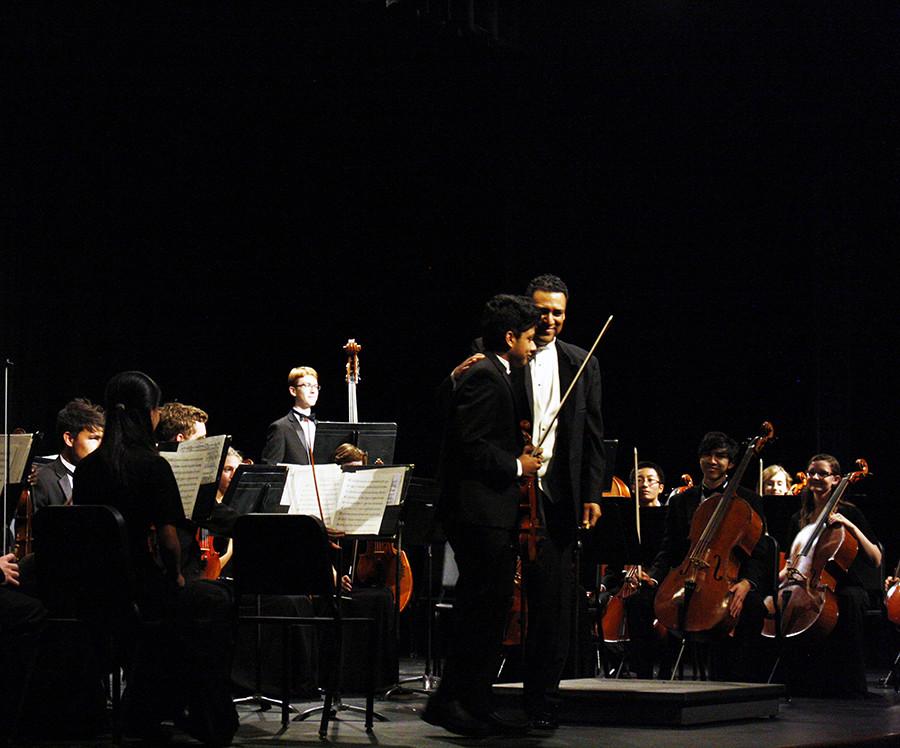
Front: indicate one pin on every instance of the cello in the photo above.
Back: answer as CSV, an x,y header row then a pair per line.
x,y
806,597
380,564
892,599
696,595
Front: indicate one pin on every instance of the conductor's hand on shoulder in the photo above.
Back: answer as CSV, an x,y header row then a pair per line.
x,y
465,366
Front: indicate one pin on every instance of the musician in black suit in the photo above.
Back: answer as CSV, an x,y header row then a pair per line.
x,y
481,461
79,428
570,484
738,657
290,438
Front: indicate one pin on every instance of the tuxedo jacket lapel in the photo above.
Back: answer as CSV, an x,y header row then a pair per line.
x,y
298,431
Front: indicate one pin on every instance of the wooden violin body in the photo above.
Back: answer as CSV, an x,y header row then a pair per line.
x,y
378,566
702,582
210,562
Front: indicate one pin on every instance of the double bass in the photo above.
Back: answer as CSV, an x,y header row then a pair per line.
x,y
696,595
380,564
806,597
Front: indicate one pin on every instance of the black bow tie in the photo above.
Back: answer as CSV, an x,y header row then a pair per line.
x,y
304,417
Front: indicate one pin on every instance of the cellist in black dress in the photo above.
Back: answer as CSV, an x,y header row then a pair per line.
x,y
836,665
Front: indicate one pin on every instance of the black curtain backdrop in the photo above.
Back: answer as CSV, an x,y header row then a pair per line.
x,y
217,193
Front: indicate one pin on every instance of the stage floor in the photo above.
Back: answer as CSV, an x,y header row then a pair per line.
x,y
801,722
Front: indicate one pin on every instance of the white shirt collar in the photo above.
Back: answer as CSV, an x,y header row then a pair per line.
x,y
66,464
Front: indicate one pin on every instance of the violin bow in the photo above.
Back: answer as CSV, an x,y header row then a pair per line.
x,y
546,430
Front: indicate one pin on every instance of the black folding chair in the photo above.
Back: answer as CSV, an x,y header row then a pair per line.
x,y
281,554
85,579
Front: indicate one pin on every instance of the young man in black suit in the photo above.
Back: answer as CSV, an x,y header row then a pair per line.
x,y
482,459
290,438
738,657
79,428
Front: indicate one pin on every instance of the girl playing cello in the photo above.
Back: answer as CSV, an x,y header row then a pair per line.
x,y
834,666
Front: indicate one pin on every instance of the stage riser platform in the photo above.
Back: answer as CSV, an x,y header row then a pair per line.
x,y
657,703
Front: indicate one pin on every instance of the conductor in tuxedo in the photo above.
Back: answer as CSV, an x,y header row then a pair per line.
x,y
79,428
290,438
482,458
570,483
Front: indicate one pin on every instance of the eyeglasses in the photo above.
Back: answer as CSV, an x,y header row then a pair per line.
x,y
817,474
647,481
308,386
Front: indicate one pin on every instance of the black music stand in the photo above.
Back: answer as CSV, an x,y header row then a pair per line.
x,y
391,526
253,489
257,489
278,555
376,439
420,529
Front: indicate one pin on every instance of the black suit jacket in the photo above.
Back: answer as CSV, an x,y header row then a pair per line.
x,y
51,487
676,539
577,469
285,442
478,469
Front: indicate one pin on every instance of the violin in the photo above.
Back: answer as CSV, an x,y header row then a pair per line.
x,y
696,595
614,623
530,522
686,483
24,543
807,597
377,566
210,561
802,480
516,620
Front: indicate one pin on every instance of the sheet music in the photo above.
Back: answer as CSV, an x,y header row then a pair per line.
x,y
300,491
364,496
19,447
194,464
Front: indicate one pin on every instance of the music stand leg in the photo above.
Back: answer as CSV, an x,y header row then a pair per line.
x,y
264,702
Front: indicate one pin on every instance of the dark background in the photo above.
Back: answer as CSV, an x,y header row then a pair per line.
x,y
217,193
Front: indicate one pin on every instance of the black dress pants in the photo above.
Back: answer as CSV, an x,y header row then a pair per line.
x,y
486,558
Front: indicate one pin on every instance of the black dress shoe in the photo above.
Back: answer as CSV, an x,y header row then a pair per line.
x,y
544,721
506,724
455,718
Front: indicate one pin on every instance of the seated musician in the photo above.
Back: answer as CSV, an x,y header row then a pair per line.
x,y
184,664
290,438
737,657
836,666
776,481
180,423
643,647
79,429
21,622
650,483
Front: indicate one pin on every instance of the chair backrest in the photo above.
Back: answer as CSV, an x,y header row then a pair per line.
x,y
281,554
82,563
